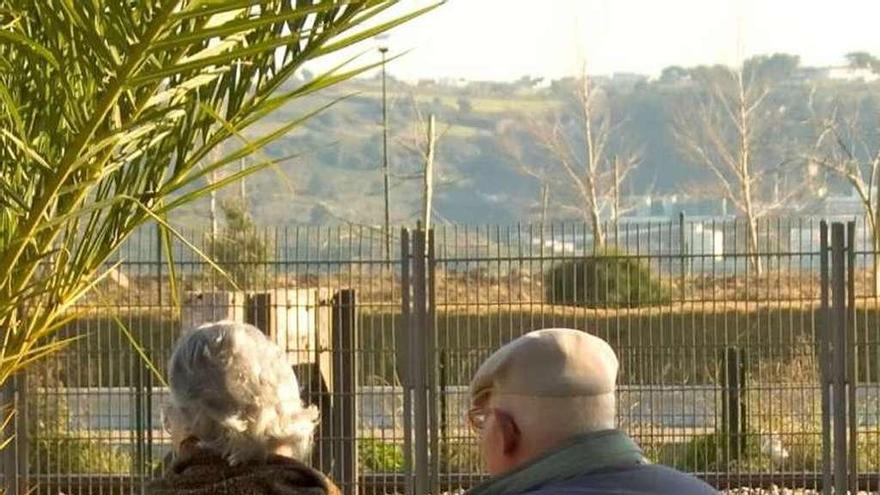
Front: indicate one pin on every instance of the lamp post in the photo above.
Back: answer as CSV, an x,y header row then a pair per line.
x,y
242,185
384,50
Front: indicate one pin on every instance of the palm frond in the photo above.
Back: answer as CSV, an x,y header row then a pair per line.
x,y
108,112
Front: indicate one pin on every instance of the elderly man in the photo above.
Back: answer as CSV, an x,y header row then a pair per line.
x,y
544,406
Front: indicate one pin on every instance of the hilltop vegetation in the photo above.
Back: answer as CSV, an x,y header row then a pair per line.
x,y
336,177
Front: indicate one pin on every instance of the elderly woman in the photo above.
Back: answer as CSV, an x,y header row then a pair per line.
x,y
235,417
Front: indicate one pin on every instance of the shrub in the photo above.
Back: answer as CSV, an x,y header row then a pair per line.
x,y
460,456
701,453
782,406
56,448
455,456
709,453
782,402
65,453
608,279
239,249
379,456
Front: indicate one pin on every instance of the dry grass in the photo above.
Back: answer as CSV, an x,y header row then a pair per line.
x,y
378,284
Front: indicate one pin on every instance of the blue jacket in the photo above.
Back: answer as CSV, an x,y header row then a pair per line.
x,y
635,480
605,462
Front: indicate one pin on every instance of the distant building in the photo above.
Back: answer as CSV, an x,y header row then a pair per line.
x,y
808,74
841,205
852,74
455,82
628,78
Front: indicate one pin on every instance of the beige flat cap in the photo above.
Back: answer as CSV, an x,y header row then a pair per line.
x,y
555,362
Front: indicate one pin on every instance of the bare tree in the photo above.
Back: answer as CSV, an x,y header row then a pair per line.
x,y
545,202
511,144
584,156
422,144
726,129
428,174
844,147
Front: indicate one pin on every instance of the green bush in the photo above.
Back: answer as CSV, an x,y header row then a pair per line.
x,y
608,279
780,404
56,448
460,456
783,403
65,453
239,249
455,456
379,456
710,453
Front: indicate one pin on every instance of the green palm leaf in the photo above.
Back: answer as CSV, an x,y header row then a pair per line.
x,y
108,112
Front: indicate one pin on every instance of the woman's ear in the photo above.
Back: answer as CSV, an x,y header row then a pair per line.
x,y
188,447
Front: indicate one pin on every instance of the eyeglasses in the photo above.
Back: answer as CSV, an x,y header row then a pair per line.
x,y
477,417
166,420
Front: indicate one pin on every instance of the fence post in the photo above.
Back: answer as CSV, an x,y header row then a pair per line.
x,y
148,415
403,359
14,458
159,247
824,336
733,410
320,382
838,363
433,384
417,364
345,389
849,353
258,311
682,248
139,468
7,434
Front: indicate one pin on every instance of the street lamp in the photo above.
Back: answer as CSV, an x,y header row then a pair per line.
x,y
384,50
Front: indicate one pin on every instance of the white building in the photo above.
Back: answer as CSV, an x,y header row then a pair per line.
x,y
852,74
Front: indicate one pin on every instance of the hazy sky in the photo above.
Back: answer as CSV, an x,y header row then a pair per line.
x,y
506,39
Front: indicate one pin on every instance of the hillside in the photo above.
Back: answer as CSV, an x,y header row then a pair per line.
x,y
336,174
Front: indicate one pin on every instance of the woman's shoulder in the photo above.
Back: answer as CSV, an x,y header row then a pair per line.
x,y
208,473
300,476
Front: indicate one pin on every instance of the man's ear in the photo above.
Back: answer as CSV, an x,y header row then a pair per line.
x,y
510,433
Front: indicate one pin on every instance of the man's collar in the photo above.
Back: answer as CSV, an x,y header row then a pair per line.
x,y
581,455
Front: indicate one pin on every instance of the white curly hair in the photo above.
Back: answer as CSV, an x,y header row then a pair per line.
x,y
233,389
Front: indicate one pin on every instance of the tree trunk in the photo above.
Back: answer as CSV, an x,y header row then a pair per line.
x,y
242,183
745,175
545,198
598,231
874,225
754,258
752,221
615,199
876,244
213,210
874,217
428,192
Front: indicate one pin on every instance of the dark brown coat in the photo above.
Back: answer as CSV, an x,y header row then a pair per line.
x,y
206,473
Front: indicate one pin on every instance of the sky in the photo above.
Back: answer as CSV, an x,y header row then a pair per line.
x,y
507,39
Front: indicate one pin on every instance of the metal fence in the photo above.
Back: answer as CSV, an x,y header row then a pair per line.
x,y
746,367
